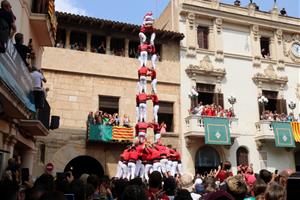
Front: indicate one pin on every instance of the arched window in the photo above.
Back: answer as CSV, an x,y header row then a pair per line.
x,y
207,158
242,156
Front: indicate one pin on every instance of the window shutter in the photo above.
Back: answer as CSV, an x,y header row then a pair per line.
x,y
283,106
219,99
260,109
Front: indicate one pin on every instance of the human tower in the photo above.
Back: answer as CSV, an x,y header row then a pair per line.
x,y
142,157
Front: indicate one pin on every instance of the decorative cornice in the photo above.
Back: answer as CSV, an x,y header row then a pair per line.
x,y
269,76
205,68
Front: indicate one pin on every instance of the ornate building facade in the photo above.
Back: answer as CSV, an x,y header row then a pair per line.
x,y
240,51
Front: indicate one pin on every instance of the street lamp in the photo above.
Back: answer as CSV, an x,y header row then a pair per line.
x,y
232,100
263,100
292,106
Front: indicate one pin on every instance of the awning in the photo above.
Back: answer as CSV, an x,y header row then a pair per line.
x,y
33,127
217,131
283,134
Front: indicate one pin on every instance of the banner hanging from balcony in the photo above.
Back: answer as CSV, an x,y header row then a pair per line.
x,y
296,131
100,133
122,133
217,131
283,134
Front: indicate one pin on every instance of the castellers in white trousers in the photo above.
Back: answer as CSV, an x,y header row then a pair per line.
x,y
131,171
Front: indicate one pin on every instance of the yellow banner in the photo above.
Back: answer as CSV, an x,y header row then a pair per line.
x,y
296,130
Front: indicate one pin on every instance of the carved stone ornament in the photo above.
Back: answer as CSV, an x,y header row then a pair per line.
x,y
298,91
281,64
205,68
191,19
218,23
257,61
219,55
288,40
255,31
279,34
270,76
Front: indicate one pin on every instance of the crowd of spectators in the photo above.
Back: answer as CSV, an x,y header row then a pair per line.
x,y
274,116
103,118
212,110
219,184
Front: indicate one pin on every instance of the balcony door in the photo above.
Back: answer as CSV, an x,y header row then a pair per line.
x,y
274,104
207,158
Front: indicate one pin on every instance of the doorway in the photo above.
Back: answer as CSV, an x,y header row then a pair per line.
x,y
207,158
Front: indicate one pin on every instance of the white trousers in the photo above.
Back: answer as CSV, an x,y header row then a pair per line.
x,y
169,166
164,165
179,169
139,169
174,168
143,111
156,137
143,84
157,167
143,38
147,171
143,58
153,85
131,171
155,113
153,61
121,170
137,112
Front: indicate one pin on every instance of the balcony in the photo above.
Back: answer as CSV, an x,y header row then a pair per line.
x,y
109,134
16,96
264,130
195,127
43,22
16,84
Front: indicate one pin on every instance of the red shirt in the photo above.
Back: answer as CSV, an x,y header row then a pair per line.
x,y
142,98
142,127
133,155
143,71
155,154
156,128
143,47
147,29
154,194
154,99
125,155
223,175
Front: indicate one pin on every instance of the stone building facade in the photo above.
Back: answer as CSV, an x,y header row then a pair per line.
x,y
83,80
240,51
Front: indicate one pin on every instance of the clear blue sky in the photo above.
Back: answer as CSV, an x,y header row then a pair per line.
x,y
132,11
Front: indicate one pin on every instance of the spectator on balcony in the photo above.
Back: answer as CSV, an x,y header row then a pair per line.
x,y
163,127
198,110
7,24
290,117
23,50
117,119
101,49
60,44
105,119
126,121
90,118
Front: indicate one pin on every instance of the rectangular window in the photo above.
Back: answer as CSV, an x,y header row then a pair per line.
x,y
117,47
133,49
98,44
42,153
265,47
78,40
202,35
109,104
275,105
165,114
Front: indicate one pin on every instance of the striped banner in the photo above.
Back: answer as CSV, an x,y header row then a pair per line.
x,y
122,133
296,130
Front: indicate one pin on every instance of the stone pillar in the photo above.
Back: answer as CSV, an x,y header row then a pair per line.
x,y
88,41
108,38
219,55
68,36
255,45
211,38
27,159
272,48
126,49
191,40
278,34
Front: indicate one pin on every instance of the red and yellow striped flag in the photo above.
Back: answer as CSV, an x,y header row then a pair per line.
x,y
122,133
296,130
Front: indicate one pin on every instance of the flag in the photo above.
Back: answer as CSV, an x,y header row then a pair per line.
x,y
217,131
99,133
283,134
122,133
296,130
